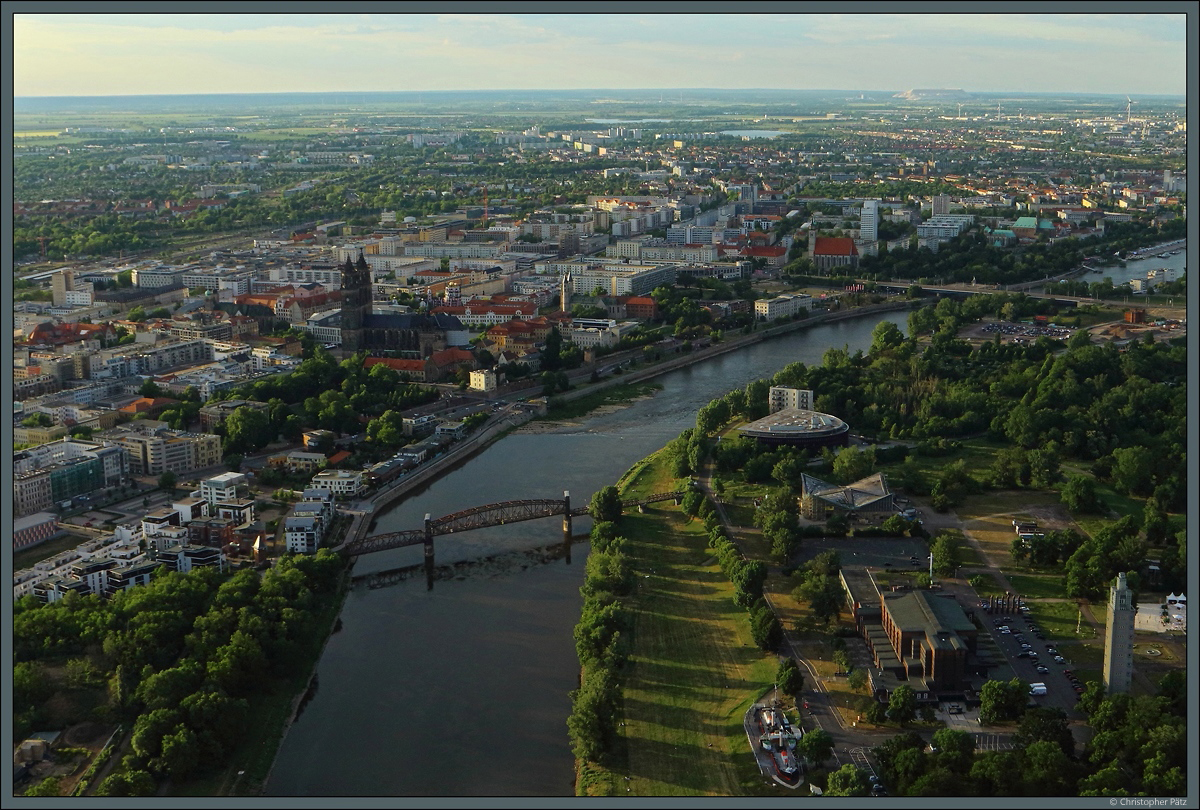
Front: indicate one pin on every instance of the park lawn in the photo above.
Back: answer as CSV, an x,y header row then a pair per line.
x,y
1088,654
1059,619
693,670
1046,586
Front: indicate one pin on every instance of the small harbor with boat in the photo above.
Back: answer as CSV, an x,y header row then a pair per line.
x,y
774,741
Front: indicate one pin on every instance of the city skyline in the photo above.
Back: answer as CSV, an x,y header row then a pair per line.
x,y
148,54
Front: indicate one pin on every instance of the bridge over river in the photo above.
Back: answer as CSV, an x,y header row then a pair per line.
x,y
481,517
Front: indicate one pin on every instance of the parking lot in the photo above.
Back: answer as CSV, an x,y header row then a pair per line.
x,y
1034,658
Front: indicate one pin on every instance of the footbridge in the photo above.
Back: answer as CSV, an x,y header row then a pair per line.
x,y
482,517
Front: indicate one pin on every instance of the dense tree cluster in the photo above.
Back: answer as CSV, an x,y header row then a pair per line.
x,y
599,644
1138,749
180,658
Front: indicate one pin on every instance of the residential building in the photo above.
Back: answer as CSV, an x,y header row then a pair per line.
x,y
483,380
781,397
154,448
940,205
221,488
782,306
342,483
185,557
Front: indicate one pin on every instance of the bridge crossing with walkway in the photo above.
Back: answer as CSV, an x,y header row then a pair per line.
x,y
482,517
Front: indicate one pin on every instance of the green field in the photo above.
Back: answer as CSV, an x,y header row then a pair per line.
x,y
1058,621
693,670
1038,587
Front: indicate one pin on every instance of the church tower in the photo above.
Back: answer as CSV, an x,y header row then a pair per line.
x,y
1118,638
356,304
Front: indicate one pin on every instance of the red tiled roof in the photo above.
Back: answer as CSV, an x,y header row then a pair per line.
x,y
395,364
834,246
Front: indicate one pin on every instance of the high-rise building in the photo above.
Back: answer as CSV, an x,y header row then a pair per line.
x,y
941,204
1118,638
61,283
869,224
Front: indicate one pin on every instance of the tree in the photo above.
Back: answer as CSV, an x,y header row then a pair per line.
x,y
824,596
38,419
847,780
1078,494
150,390
902,704
765,628
1047,724
851,464
817,745
50,786
885,336
606,505
876,713
166,481
947,553
247,430
857,679
1000,701
955,749
789,677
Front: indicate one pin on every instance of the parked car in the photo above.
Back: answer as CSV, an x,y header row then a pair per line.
x,y
1042,668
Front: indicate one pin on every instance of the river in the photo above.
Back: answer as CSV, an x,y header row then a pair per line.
x,y
463,690
1138,268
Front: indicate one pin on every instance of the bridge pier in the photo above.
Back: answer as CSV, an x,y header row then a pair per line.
x,y
428,552
567,525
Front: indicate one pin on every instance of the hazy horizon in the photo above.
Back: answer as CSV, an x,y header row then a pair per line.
x,y
106,55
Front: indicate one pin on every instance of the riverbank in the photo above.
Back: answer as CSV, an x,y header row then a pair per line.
x,y
513,420
693,669
514,653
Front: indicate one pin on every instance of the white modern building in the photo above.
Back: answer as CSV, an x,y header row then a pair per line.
x,y
782,306
221,488
868,229
341,483
783,398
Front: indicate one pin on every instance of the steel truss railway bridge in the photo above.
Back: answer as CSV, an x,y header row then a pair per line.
x,y
482,517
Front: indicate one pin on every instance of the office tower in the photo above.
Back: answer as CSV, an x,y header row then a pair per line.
x,y
869,224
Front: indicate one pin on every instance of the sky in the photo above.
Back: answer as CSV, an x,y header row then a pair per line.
x,y
135,54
